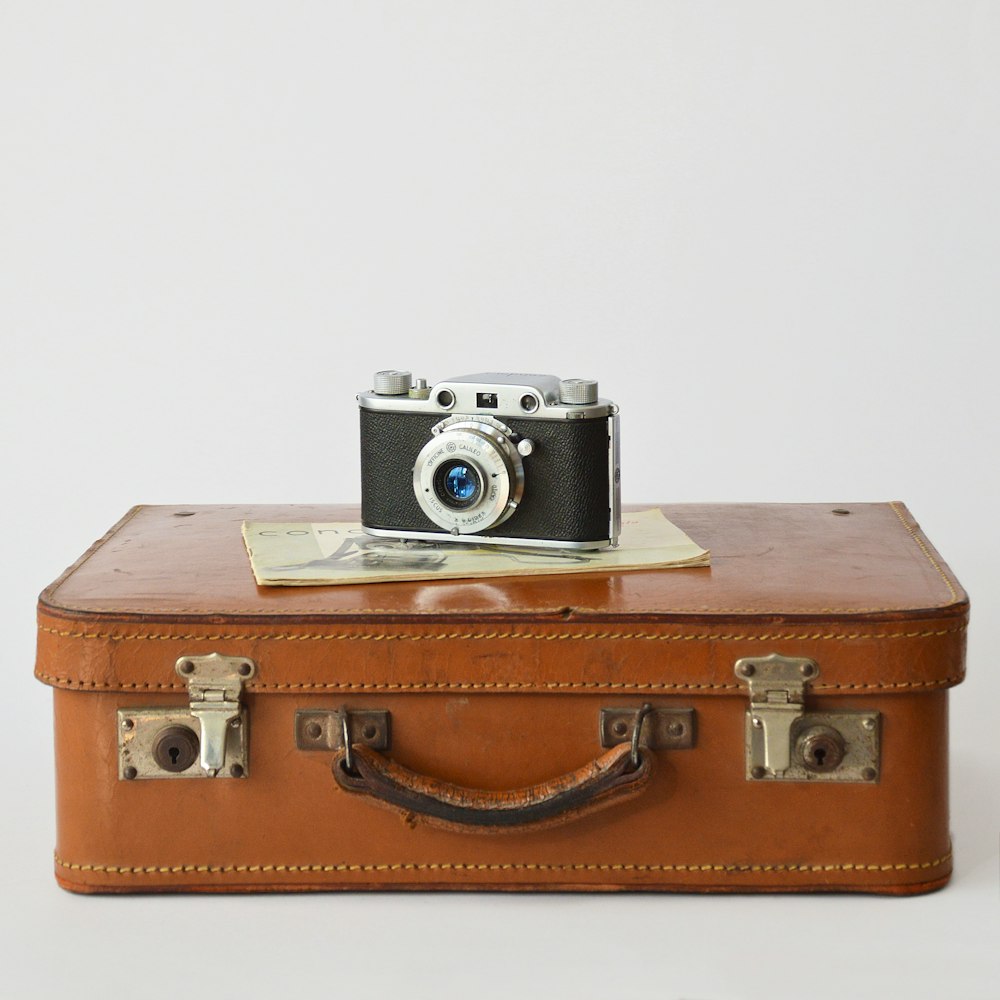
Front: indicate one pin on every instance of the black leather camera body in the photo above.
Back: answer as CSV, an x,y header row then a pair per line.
x,y
502,459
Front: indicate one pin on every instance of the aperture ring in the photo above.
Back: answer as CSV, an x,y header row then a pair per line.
x,y
497,464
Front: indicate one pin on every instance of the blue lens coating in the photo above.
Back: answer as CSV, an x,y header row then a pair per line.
x,y
460,482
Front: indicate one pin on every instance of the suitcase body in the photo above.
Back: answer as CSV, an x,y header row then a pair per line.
x,y
776,722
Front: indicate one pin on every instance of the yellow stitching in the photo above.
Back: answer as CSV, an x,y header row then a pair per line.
x,y
466,636
489,685
500,686
485,867
912,531
99,686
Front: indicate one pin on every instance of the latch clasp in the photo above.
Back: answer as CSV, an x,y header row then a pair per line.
x,y
777,698
785,742
215,684
206,738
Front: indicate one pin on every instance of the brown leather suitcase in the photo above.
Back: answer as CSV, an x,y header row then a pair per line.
x,y
777,722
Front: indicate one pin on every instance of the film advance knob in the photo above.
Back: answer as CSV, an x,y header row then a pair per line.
x,y
578,391
392,383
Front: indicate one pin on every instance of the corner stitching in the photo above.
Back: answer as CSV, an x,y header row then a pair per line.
x,y
912,531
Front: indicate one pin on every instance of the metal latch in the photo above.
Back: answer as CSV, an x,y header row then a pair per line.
x,y
206,739
785,742
215,683
777,694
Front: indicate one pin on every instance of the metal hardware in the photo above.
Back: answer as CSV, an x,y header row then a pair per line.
x,y
141,730
784,742
615,473
578,391
821,748
462,395
640,718
205,739
777,694
215,683
393,383
534,543
326,730
860,741
345,742
658,729
175,748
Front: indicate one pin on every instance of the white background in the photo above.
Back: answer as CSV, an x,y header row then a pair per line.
x,y
772,231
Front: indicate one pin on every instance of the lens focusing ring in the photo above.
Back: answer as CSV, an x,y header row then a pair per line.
x,y
492,460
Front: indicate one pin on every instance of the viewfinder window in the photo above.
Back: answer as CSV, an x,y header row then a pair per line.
x,y
486,400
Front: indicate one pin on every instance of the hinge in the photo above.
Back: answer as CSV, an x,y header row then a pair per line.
x,y
215,684
785,742
207,738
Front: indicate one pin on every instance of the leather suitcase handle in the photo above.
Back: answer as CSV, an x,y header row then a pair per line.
x,y
608,780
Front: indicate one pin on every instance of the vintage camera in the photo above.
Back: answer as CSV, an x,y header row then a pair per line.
x,y
498,458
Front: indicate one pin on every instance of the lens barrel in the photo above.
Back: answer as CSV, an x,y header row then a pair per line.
x,y
469,476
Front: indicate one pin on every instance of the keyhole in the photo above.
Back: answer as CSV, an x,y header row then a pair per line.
x,y
822,749
176,748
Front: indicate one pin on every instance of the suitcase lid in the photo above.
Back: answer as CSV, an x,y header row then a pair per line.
x,y
799,579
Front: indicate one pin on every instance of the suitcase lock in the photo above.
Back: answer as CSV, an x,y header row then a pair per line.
x,y
784,742
207,739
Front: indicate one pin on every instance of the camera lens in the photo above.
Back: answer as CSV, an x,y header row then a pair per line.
x,y
457,483
468,477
